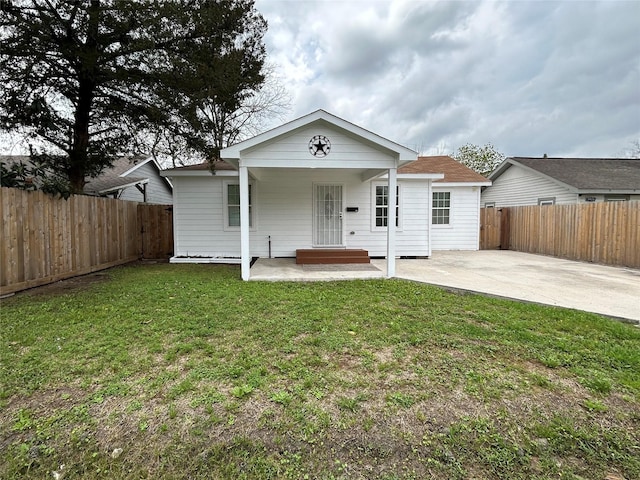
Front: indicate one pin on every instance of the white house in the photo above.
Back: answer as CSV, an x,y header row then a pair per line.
x,y
136,179
318,182
550,181
455,209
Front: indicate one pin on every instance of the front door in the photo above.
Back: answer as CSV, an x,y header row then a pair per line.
x,y
328,215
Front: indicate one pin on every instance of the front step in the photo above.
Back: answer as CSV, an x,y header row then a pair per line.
x,y
329,256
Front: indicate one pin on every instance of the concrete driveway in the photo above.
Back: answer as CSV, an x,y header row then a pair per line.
x,y
595,288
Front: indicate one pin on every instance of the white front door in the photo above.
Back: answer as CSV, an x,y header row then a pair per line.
x,y
328,215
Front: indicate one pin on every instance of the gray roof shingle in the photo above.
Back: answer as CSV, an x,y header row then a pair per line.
x,y
588,173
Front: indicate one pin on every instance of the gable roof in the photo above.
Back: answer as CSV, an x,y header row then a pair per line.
x,y
120,175
586,175
232,153
454,171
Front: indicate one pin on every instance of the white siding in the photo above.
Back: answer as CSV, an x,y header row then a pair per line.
x,y
294,147
517,186
463,230
157,189
283,203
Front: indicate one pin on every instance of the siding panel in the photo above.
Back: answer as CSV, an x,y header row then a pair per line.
x,y
517,186
463,231
283,203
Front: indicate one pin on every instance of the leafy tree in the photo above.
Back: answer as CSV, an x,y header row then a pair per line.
x,y
86,79
29,176
481,159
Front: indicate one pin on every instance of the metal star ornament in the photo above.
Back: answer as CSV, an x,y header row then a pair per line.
x,y
319,146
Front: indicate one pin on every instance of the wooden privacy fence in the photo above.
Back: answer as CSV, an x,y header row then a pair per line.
x,y
46,239
155,223
606,232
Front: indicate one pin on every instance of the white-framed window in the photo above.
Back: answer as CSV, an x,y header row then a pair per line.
x,y
380,207
616,198
231,207
441,208
547,201
490,205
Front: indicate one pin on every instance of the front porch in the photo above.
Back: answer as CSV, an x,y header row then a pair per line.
x,y
286,269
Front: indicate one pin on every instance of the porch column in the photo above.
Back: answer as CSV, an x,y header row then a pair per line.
x,y
245,254
391,223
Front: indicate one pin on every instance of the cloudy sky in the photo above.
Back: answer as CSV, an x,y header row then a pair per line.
x,y
531,77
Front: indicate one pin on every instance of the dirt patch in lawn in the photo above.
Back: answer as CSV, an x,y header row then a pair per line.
x,y
70,285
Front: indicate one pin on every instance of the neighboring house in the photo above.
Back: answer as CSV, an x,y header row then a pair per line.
x,y
550,181
455,218
318,182
136,179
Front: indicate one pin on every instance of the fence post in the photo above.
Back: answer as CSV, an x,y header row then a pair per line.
x,y
505,226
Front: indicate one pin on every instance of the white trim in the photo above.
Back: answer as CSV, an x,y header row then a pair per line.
x,y
429,212
314,212
417,176
544,201
233,153
461,184
245,252
119,188
198,173
138,165
374,227
391,225
449,224
225,207
203,259
317,163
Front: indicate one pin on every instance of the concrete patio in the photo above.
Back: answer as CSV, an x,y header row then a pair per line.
x,y
611,291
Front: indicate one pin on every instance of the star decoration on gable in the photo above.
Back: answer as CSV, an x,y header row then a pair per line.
x,y
319,146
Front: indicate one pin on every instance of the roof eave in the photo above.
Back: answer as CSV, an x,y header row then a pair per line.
x,y
198,173
462,184
419,176
511,161
117,188
608,191
233,153
138,165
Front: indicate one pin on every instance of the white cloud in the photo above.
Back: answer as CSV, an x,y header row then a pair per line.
x,y
561,78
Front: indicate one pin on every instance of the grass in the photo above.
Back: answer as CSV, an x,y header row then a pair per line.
x,y
195,374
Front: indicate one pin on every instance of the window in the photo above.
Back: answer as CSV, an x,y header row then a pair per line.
x,y
440,208
232,201
381,202
616,198
547,201
490,205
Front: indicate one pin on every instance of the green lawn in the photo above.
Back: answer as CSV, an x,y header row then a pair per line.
x,y
184,371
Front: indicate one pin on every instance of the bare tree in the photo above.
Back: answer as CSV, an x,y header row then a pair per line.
x,y
221,126
634,150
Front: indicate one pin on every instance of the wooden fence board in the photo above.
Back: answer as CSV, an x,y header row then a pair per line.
x,y
490,228
605,232
46,239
